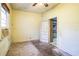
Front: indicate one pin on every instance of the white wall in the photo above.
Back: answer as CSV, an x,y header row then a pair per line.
x,y
25,26
67,26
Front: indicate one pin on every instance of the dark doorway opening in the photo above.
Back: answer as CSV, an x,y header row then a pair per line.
x,y
53,29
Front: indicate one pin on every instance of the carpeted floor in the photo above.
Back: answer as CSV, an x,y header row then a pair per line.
x,y
33,48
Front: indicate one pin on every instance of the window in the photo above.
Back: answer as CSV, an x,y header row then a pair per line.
x,y
4,15
3,18
4,22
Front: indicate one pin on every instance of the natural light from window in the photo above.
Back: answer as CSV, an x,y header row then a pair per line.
x,y
3,18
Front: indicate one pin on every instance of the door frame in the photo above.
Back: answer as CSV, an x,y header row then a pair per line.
x,y
50,29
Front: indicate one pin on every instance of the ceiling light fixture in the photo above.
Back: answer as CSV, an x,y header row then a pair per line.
x,y
45,4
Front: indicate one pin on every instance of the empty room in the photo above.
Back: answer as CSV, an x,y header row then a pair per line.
x,y
39,29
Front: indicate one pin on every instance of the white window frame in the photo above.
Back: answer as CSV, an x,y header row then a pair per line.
x,y
4,21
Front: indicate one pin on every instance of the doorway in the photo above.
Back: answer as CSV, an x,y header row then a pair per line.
x,y
53,29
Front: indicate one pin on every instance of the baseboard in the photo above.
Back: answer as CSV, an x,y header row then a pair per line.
x,y
59,51
65,53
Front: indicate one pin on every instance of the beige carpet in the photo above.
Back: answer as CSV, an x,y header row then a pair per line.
x,y
34,48
23,49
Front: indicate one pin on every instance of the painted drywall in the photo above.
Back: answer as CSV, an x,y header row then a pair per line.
x,y
0,21
25,26
5,42
67,26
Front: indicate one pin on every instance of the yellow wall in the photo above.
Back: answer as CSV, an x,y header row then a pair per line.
x,y
67,26
25,26
9,22
5,43
0,23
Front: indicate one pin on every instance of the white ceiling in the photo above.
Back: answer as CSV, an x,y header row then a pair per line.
x,y
29,7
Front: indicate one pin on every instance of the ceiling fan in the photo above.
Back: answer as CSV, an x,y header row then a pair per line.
x,y
45,4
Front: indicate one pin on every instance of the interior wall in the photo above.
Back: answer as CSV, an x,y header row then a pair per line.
x,y
67,26
0,21
25,26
